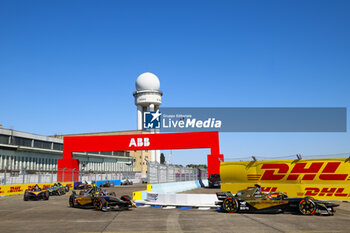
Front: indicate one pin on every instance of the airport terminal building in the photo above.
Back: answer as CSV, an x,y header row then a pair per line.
x,y
20,151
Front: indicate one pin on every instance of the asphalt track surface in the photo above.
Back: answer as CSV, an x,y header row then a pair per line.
x,y
55,215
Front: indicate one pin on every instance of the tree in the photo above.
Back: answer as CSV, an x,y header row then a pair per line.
x,y
162,158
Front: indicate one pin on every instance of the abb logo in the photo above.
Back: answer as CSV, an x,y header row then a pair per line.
x,y
337,192
139,142
278,171
15,189
1,190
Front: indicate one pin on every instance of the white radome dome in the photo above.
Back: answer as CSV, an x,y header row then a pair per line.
x,y
147,81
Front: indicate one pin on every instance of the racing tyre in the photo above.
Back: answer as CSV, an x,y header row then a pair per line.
x,y
26,196
66,188
101,204
307,206
230,205
46,196
71,201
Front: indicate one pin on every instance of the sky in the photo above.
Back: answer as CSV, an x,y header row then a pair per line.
x,y
70,66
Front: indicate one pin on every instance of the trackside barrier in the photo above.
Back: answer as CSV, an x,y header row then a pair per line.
x,y
168,188
198,200
323,179
141,195
14,189
102,182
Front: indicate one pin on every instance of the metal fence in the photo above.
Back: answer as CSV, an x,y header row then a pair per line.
x,y
231,158
31,177
156,173
163,173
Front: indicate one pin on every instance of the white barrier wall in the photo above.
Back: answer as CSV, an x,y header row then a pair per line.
x,y
177,187
182,199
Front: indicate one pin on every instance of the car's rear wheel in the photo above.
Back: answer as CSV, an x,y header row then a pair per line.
x,y
46,195
71,201
61,191
230,205
307,206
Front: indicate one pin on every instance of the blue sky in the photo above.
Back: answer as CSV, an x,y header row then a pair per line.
x,y
70,66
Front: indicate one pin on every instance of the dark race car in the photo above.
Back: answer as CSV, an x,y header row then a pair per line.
x,y
100,200
58,189
35,194
214,180
254,201
107,184
81,186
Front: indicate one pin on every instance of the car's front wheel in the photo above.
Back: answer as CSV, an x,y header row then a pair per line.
x,y
100,204
230,205
26,196
307,206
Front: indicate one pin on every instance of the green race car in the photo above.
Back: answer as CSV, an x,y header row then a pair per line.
x,y
58,189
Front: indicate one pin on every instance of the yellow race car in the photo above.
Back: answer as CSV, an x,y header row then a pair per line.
x,y
36,193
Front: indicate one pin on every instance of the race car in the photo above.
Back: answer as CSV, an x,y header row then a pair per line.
x,y
35,194
58,189
254,201
126,182
81,185
214,180
107,184
100,200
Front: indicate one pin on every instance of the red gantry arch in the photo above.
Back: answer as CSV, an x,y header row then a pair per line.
x,y
160,141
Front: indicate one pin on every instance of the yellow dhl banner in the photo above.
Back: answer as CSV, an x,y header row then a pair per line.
x,y
327,179
13,189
